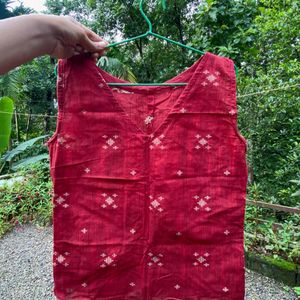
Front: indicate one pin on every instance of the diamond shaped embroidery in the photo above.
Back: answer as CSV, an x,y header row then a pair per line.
x,y
202,203
201,259
63,140
157,142
109,201
61,259
203,142
155,203
61,200
211,78
108,260
155,259
110,142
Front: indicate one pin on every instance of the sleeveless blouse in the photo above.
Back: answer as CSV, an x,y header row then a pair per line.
x,y
149,185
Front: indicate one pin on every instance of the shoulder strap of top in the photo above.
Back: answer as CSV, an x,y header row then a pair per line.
x,y
63,70
224,66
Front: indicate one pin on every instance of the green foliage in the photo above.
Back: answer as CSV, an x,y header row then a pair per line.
x,y
113,65
28,200
6,112
28,161
6,12
263,238
298,192
223,27
21,149
9,155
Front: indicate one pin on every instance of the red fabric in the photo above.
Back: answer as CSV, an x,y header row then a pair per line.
x,y
149,185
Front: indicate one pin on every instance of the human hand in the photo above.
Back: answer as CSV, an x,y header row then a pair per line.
x,y
71,38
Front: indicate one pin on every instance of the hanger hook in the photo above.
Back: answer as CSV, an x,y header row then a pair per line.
x,y
163,2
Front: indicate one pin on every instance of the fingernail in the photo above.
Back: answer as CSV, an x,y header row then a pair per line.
x,y
101,44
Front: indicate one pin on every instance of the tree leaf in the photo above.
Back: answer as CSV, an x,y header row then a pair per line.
x,y
28,160
8,156
6,113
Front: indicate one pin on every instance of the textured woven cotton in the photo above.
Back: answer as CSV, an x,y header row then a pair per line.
x,y
149,185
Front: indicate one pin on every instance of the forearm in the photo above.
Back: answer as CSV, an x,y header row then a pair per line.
x,y
23,38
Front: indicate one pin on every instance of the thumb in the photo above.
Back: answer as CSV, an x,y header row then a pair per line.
x,y
92,46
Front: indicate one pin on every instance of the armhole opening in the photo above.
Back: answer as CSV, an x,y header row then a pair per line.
x,y
234,123
233,101
56,132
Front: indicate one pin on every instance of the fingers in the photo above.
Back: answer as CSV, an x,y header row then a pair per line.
x,y
88,41
92,35
92,46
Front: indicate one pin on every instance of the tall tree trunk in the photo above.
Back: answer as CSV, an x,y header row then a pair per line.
x,y
180,29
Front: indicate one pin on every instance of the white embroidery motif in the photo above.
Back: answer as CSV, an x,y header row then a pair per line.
x,y
201,203
84,230
108,260
132,230
203,142
61,200
225,289
183,110
132,172
63,140
148,119
84,284
226,232
156,142
61,259
132,284
232,112
110,142
155,259
211,78
109,201
177,286
226,172
201,259
155,203
179,172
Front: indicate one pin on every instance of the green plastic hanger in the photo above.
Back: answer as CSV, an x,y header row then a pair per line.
x,y
150,32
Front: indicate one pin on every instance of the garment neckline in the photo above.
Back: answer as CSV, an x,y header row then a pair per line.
x,y
199,65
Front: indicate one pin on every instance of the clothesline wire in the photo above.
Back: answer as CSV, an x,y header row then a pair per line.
x,y
238,96
268,91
